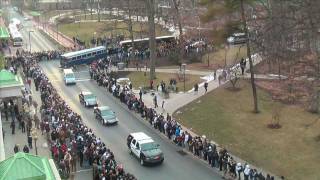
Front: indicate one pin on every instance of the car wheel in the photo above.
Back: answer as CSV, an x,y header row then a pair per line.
x,y
142,162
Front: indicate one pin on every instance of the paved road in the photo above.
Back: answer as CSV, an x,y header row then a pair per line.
x,y
38,41
175,166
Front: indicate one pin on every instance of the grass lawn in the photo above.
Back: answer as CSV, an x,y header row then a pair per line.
x,y
139,80
86,29
226,116
220,56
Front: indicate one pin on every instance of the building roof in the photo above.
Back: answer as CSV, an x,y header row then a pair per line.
x,y
8,79
4,33
26,166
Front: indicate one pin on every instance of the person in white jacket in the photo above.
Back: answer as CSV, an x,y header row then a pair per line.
x,y
246,172
239,170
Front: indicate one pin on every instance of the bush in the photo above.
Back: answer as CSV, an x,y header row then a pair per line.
x,y
174,57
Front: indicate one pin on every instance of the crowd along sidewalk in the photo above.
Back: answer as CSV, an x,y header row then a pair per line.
x,y
178,100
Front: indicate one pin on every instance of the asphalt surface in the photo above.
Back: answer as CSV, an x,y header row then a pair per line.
x,y
175,166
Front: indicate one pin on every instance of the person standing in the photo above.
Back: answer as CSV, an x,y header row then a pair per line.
x,y
30,141
206,87
162,105
196,88
81,157
16,148
155,101
13,127
23,126
140,95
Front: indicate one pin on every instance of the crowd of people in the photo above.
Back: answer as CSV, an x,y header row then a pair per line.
x,y
70,140
200,146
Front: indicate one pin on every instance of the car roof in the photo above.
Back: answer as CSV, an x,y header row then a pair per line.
x,y
139,136
86,92
144,141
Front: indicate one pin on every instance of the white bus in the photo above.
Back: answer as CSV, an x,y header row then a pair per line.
x,y
16,36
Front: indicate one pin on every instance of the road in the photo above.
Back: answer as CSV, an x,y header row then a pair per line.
x,y
37,40
176,165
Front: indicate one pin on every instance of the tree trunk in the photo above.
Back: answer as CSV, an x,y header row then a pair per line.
x,y
181,40
98,9
130,24
254,88
152,38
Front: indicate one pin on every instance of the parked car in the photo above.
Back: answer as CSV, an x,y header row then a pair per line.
x,y
237,38
105,115
143,147
88,99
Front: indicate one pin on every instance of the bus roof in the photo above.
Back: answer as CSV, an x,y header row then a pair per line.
x,y
77,53
145,39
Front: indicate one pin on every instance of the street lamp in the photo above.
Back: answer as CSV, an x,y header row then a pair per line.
x,y
34,135
184,76
30,31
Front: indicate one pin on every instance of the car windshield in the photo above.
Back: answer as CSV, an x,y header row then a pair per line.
x,y
149,146
107,113
89,96
69,75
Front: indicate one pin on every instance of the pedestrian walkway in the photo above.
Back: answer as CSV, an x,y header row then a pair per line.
x,y
62,39
178,100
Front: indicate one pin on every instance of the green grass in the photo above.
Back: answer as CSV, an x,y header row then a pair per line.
x,y
85,30
138,79
226,117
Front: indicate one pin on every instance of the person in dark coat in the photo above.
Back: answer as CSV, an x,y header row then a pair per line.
x,y
25,149
30,141
13,127
16,148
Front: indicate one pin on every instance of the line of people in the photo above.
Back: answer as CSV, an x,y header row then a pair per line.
x,y
69,138
200,146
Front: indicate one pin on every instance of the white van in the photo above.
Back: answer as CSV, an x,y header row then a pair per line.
x,y
69,77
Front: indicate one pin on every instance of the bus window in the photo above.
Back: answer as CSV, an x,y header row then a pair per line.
x,y
74,58
78,57
99,52
83,56
94,53
89,54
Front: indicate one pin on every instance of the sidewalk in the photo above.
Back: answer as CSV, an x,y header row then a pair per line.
x,y
10,140
62,39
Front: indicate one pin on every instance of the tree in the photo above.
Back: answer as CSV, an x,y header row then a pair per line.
x,y
229,7
176,5
152,37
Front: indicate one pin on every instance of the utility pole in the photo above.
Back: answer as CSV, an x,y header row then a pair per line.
x,y
30,31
